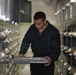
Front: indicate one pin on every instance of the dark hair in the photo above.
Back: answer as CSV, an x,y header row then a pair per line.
x,y
39,15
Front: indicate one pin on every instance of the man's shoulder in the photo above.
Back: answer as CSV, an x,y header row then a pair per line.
x,y
32,26
53,28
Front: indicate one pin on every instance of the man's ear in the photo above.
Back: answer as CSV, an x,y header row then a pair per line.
x,y
45,21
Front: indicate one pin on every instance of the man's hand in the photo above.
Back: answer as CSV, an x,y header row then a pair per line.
x,y
49,60
20,55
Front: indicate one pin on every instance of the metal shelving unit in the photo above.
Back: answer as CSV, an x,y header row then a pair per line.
x,y
67,26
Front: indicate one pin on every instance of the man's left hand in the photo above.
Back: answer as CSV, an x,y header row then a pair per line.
x,y
48,61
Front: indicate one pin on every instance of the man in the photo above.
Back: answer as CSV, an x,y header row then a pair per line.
x,y
45,42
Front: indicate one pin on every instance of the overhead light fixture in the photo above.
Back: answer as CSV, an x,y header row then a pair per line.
x,y
73,1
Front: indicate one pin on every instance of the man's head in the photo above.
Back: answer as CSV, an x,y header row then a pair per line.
x,y
40,20
40,15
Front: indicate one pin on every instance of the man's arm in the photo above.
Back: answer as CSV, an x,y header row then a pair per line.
x,y
55,47
55,50
25,43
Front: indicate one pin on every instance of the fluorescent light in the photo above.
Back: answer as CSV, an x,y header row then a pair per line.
x,y
73,0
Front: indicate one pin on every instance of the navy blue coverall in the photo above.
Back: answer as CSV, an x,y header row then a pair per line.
x,y
46,44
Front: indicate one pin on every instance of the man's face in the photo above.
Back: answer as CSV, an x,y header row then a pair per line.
x,y
39,23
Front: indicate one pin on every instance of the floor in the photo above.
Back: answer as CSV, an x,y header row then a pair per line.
x,y
25,69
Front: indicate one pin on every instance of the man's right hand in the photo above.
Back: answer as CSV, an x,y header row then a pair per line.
x,y
20,55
